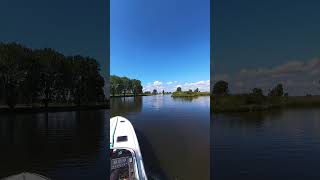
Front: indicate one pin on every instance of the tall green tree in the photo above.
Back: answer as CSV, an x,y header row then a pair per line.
x,y
12,72
220,88
137,87
50,77
126,85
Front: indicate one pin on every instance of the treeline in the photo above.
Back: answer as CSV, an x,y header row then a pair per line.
x,y
46,76
189,93
221,88
256,96
124,86
256,100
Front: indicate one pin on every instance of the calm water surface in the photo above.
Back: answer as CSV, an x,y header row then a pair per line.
x,y
173,134
64,145
274,145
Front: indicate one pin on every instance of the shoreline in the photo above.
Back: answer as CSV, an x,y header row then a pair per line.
x,y
130,95
280,104
187,94
57,108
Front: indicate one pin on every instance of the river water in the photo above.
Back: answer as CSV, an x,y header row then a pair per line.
x,y
63,145
282,144
173,134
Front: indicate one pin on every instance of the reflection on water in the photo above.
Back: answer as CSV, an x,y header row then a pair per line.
x,y
64,145
126,104
173,134
185,99
282,144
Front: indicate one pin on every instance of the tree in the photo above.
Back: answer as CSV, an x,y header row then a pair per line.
x,y
50,77
276,91
126,85
257,92
220,88
163,92
12,72
178,89
196,90
154,91
27,76
113,85
136,86
255,97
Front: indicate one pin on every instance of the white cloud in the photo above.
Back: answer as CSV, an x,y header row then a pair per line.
x,y
157,83
172,86
203,85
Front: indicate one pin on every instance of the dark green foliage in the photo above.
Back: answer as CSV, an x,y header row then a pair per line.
x,y
124,85
277,91
178,89
255,97
220,88
28,76
154,91
256,101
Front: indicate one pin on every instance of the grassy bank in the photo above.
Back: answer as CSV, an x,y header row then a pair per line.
x,y
53,107
246,103
189,94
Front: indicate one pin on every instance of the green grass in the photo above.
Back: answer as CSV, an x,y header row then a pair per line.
x,y
189,94
246,103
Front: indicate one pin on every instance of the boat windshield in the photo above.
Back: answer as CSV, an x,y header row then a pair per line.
x,y
122,165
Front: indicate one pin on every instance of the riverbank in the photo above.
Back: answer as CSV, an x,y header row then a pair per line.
x,y
242,103
189,94
130,95
53,108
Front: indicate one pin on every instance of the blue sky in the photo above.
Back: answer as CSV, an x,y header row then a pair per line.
x,y
161,41
261,43
71,27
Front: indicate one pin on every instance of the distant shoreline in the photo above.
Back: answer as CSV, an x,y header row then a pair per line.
x,y
189,94
53,108
130,95
234,103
